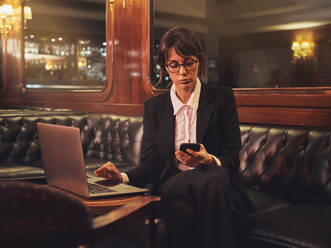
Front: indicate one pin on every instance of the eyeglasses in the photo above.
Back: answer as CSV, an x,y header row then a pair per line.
x,y
189,65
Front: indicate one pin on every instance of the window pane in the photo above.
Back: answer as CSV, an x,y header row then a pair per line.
x,y
263,44
64,45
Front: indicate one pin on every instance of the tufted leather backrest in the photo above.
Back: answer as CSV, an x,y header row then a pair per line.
x,y
104,136
113,137
291,162
19,137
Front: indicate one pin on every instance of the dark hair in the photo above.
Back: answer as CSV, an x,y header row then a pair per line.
x,y
186,44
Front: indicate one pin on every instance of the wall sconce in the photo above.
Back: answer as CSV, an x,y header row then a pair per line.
x,y
6,13
303,49
111,5
112,2
27,15
11,18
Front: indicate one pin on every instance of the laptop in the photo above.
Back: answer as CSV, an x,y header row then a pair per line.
x,y
63,160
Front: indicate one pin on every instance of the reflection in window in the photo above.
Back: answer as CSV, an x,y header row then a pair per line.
x,y
159,84
64,45
1,82
261,45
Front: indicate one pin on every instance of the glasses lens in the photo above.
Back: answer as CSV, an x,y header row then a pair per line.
x,y
190,64
173,67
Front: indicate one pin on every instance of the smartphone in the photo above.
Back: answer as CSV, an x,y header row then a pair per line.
x,y
193,146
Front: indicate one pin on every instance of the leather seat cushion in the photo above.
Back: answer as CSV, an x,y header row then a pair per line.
x,y
18,171
13,171
264,202
304,226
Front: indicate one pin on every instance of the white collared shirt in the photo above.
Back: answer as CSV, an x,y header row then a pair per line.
x,y
186,120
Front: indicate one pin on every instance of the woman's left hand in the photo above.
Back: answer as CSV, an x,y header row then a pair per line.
x,y
196,158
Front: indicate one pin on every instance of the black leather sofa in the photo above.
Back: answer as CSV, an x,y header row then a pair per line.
x,y
288,174
104,137
287,169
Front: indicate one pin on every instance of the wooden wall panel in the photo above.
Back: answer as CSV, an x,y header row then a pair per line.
x,y
285,116
130,29
288,106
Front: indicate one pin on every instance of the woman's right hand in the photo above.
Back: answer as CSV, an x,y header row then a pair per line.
x,y
110,172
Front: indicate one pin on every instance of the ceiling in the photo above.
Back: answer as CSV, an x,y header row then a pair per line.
x,y
215,17
237,17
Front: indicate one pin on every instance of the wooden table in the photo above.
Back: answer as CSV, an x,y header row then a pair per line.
x,y
122,217
104,205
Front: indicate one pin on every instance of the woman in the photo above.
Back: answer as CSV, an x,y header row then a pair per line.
x,y
198,189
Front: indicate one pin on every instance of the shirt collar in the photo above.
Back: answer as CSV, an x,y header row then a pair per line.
x,y
193,102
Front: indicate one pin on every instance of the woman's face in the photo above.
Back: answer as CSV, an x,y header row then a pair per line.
x,y
182,71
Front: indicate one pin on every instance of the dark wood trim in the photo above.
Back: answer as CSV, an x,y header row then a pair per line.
x,y
299,97
116,221
286,106
103,107
128,206
285,116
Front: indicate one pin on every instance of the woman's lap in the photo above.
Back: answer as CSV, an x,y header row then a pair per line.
x,y
195,208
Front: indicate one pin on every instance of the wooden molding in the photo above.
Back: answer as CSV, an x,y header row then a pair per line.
x,y
285,106
294,97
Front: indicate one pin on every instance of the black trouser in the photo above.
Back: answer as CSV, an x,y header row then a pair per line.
x,y
195,207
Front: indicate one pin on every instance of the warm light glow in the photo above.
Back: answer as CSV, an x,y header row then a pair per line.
x,y
305,45
7,18
48,67
292,26
11,18
6,10
112,2
303,49
295,45
1,13
111,5
82,62
27,13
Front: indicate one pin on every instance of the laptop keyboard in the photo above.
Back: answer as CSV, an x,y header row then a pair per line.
x,y
93,188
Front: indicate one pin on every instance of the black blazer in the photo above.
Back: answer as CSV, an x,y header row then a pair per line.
x,y
217,130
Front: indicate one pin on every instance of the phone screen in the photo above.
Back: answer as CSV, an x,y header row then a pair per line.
x,y
193,146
